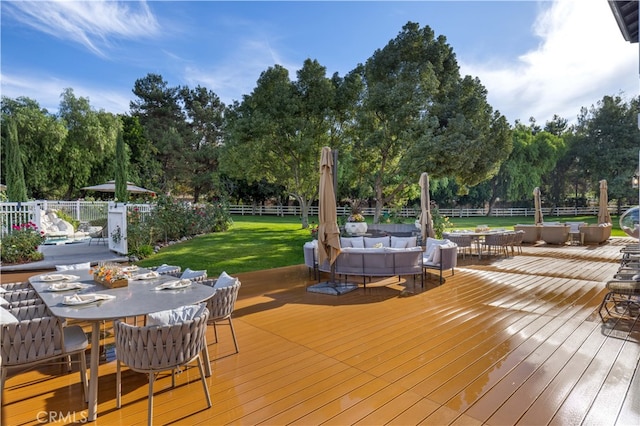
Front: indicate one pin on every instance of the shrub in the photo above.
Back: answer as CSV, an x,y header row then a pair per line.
x,y
173,220
21,245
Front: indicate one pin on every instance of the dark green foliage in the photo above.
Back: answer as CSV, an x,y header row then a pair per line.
x,y
16,188
122,167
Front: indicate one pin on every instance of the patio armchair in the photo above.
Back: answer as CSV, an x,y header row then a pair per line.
x,y
622,299
162,346
596,233
30,336
100,236
445,257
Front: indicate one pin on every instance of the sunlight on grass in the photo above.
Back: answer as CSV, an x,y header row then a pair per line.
x,y
256,243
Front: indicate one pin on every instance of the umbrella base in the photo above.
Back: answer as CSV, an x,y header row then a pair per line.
x,y
332,288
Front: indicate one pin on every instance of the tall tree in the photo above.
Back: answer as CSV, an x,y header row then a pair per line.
x,y
16,188
160,114
278,131
144,168
122,167
204,112
418,115
42,137
606,144
89,150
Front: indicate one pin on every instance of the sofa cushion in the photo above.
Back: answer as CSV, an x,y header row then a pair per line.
x,y
403,242
432,243
370,242
175,316
436,253
356,242
7,317
224,280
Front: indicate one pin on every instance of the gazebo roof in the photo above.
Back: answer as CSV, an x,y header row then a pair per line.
x,y
626,14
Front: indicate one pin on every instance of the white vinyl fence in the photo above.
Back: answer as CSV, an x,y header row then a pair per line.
x,y
86,211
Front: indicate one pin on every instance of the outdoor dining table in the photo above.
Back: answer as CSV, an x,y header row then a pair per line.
x,y
139,297
479,236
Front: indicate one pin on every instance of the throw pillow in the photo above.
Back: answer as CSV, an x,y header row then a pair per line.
x,y
7,317
377,245
224,280
175,316
191,274
85,265
370,242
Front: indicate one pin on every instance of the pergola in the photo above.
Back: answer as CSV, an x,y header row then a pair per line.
x,y
626,14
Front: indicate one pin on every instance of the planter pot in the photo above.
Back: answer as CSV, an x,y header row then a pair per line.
x,y
355,227
112,284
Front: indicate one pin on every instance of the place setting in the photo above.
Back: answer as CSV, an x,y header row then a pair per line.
x,y
85,299
151,275
48,278
174,285
66,286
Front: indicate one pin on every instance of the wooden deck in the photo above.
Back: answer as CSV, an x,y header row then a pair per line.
x,y
506,341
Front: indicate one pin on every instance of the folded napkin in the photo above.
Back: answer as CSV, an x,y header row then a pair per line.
x,y
64,286
174,284
78,299
53,277
146,276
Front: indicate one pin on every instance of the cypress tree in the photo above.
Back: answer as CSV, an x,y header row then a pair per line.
x,y
16,186
122,166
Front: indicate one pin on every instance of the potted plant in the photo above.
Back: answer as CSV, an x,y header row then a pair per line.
x,y
355,222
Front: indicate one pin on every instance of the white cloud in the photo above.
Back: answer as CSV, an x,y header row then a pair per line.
x,y
47,90
582,57
90,23
239,72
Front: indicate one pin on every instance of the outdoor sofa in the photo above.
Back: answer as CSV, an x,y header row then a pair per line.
x,y
384,257
554,232
596,233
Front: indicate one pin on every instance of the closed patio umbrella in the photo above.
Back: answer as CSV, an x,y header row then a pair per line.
x,y
603,207
328,231
538,206
426,221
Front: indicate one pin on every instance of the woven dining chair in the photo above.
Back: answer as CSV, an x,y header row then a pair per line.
x,y
35,337
152,349
221,306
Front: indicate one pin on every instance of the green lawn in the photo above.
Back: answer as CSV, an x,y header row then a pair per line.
x,y
255,243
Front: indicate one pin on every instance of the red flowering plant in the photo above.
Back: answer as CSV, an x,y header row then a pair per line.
x,y
21,244
314,231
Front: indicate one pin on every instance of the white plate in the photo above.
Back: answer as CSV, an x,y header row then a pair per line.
x,y
58,277
65,286
132,268
147,276
174,285
85,299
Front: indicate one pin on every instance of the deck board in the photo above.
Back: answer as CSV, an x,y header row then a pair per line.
x,y
512,340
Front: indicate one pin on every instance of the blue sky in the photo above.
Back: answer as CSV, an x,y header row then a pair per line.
x,y
536,58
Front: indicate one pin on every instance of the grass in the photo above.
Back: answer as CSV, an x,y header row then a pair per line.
x,y
256,243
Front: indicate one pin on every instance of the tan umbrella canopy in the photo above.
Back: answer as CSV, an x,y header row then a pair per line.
x,y
110,186
328,231
426,221
538,206
603,208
